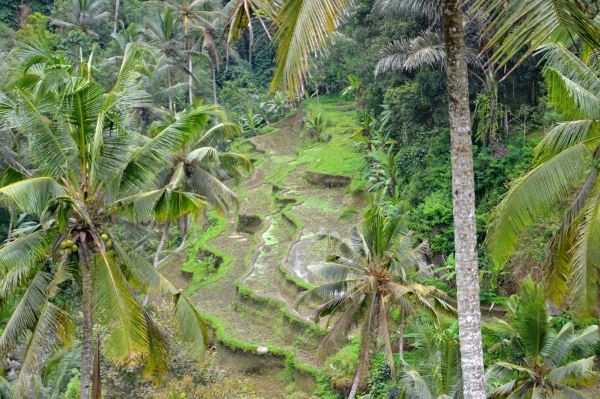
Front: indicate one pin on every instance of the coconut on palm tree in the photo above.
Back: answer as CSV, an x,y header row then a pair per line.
x,y
540,362
366,279
91,172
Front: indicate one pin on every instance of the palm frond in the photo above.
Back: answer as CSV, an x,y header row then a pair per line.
x,y
115,308
304,27
353,311
561,346
586,253
577,370
503,390
58,370
141,273
157,361
415,386
430,9
53,150
558,263
20,257
26,314
532,195
502,370
32,195
191,325
521,26
146,161
41,342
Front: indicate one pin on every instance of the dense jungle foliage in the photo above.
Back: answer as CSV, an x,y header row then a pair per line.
x,y
254,199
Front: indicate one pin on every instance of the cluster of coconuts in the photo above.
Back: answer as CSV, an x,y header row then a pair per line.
x,y
69,246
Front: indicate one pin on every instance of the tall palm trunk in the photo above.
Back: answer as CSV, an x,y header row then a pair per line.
x,y
190,79
214,80
169,85
161,244
354,389
11,222
401,336
463,198
117,5
492,92
86,347
188,55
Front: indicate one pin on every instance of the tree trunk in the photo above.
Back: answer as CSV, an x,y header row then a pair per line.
x,y
86,346
354,389
96,380
117,5
492,92
214,80
190,76
11,222
506,119
184,227
161,244
463,198
169,85
401,338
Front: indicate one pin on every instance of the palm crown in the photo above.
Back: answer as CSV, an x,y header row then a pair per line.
x,y
369,275
538,358
90,172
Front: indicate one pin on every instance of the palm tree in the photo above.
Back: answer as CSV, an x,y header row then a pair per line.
x,y
564,163
241,13
199,167
428,49
463,202
539,363
84,15
436,373
165,33
384,170
196,18
90,172
367,278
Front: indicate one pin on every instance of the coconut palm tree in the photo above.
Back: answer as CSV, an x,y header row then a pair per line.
x,y
197,19
240,15
428,49
540,361
199,167
564,164
90,173
436,373
84,15
384,171
368,277
165,33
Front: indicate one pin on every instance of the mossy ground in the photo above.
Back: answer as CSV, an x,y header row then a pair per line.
x,y
251,304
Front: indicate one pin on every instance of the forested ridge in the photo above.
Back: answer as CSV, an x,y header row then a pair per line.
x,y
299,198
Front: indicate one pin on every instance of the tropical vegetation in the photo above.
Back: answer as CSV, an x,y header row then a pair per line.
x,y
304,198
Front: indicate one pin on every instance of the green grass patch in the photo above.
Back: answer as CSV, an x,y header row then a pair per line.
x,y
200,279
